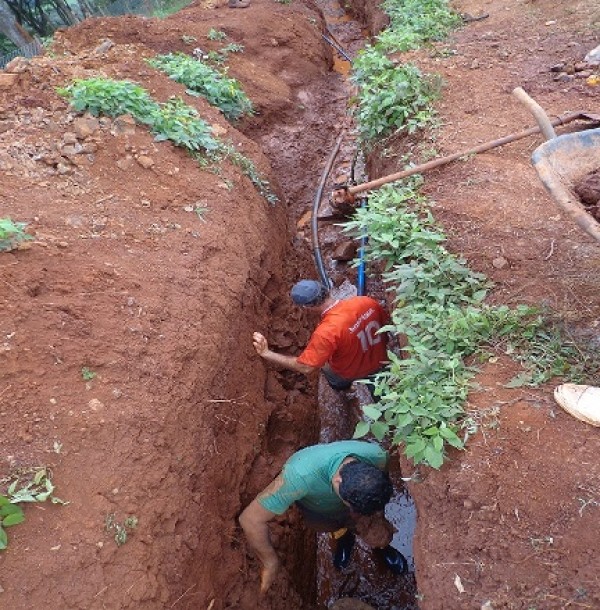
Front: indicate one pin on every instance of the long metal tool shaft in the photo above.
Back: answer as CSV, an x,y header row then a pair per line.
x,y
373,184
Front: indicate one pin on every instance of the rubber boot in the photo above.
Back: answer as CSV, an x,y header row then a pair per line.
x,y
393,559
343,550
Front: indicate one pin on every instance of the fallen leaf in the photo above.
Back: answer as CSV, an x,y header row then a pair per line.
x,y
458,583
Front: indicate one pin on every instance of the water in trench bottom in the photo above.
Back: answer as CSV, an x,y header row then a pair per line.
x,y
366,577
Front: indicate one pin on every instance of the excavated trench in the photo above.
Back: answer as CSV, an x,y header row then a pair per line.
x,y
366,578
182,424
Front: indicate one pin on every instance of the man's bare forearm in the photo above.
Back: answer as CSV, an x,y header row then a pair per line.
x,y
258,536
288,362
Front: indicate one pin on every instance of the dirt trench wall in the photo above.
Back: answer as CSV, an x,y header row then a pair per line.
x,y
370,14
151,274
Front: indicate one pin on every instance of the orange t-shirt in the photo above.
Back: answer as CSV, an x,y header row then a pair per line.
x,y
347,339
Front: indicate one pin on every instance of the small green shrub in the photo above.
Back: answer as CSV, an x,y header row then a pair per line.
x,y
12,234
182,125
112,97
390,98
415,22
87,374
218,58
213,34
37,487
121,530
201,79
173,120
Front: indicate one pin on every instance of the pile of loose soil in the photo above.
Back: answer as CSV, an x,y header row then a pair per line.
x,y
587,189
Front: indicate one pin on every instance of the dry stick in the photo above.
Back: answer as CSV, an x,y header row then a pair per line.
x,y
360,188
183,595
101,591
9,285
104,199
551,250
569,601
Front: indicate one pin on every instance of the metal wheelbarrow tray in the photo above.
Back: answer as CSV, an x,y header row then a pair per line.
x,y
560,163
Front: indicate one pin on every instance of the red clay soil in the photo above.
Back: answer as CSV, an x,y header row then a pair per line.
x,y
182,424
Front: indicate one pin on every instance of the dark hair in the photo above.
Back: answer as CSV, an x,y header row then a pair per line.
x,y
364,487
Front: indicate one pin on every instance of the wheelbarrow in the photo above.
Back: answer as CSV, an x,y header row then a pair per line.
x,y
562,161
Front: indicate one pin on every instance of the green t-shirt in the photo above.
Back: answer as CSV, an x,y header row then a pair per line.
x,y
306,477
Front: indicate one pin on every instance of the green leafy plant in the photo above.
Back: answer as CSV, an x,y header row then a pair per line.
x,y
415,22
12,234
37,487
398,97
390,98
249,169
174,121
182,125
112,97
438,305
10,514
213,34
201,79
121,530
87,374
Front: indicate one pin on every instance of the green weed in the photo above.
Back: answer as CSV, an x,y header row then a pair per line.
x,y
37,487
415,22
121,530
213,34
87,374
201,79
390,98
249,169
12,234
112,97
182,125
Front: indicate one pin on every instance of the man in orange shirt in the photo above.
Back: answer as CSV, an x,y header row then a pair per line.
x,y
346,345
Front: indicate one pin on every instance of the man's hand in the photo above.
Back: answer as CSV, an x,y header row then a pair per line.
x,y
260,344
268,574
289,362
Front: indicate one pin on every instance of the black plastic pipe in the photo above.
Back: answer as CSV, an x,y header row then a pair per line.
x,y
315,211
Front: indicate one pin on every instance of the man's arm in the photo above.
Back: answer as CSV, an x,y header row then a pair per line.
x,y
289,362
254,521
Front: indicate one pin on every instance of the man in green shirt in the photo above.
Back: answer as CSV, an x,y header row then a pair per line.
x,y
337,486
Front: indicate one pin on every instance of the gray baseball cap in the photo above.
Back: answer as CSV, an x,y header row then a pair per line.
x,y
308,292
